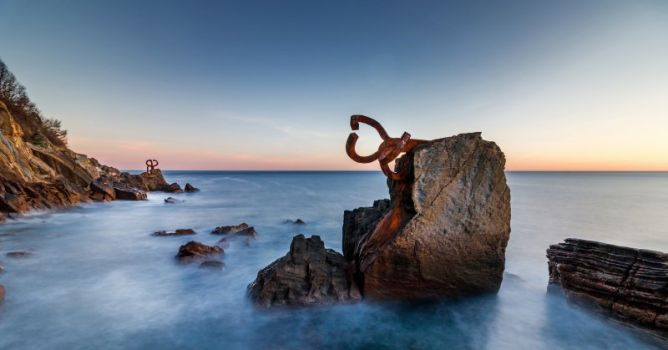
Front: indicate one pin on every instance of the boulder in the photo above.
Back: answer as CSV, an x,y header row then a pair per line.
x,y
190,188
308,275
174,188
212,264
631,284
125,192
102,190
177,232
444,231
193,251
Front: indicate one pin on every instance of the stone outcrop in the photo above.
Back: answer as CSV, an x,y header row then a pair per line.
x,y
445,229
309,274
242,229
195,251
190,188
631,284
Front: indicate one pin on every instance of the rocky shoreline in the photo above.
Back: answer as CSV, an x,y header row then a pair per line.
x,y
629,284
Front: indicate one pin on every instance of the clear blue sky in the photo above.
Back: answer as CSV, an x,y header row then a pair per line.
x,y
271,84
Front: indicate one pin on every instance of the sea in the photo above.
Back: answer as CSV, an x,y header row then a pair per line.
x,y
98,279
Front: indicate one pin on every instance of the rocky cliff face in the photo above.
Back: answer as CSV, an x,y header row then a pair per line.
x,y
632,284
49,176
446,228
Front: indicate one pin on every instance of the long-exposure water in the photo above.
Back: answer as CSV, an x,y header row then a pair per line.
x,y
97,279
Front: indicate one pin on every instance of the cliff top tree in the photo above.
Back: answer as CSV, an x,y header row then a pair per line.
x,y
37,129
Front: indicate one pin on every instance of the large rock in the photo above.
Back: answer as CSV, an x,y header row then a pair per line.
x,y
631,284
446,228
309,274
195,251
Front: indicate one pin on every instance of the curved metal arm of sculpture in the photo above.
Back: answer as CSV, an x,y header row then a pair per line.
x,y
388,150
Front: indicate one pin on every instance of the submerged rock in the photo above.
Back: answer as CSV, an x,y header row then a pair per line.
x,y
309,274
629,283
193,251
19,254
295,222
177,232
445,230
190,188
212,264
172,200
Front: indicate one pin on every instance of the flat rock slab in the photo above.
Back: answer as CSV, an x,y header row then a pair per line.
x,y
308,275
629,283
177,232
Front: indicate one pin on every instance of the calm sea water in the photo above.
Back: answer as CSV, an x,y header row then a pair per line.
x,y
97,278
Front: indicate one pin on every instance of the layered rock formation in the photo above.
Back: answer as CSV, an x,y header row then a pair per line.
x,y
632,284
445,229
45,175
309,274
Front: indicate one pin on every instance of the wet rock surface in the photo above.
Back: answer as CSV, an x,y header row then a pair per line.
x,y
195,251
190,188
308,275
177,232
446,228
222,230
630,284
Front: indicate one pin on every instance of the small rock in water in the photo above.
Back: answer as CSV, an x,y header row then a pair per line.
x,y
221,230
2,293
212,264
178,232
191,188
174,188
19,254
308,275
172,200
193,251
223,243
294,222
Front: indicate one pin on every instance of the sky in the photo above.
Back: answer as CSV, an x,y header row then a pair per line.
x,y
271,85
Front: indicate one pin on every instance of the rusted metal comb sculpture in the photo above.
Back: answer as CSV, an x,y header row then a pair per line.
x,y
150,165
388,150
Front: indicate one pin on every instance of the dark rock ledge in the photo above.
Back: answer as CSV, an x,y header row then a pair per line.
x,y
629,283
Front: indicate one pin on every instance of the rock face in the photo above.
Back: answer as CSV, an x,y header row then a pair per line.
x,y
445,229
309,274
194,251
632,284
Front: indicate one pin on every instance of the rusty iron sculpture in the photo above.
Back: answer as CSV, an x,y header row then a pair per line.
x,y
389,149
150,165
392,222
